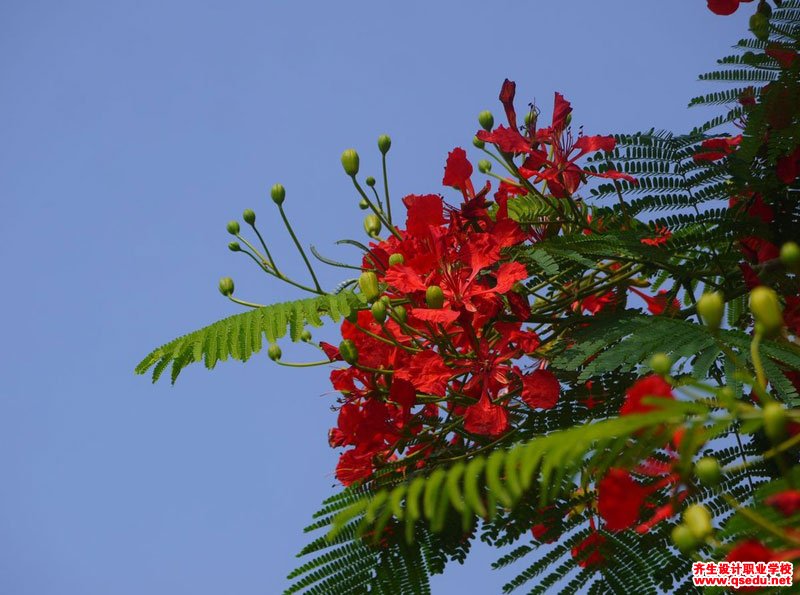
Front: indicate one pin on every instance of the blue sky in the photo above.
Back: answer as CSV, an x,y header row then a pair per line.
x,y
131,133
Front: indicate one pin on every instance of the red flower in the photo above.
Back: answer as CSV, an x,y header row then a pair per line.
x,y
649,386
661,237
540,389
427,372
555,166
717,148
754,206
590,550
788,167
750,550
619,499
657,304
788,501
486,418
354,466
724,7
791,314
784,56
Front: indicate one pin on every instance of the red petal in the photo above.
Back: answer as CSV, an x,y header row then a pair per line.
x,y
723,7
507,140
457,170
540,389
423,212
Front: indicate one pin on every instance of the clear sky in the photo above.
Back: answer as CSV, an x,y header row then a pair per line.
x,y
130,133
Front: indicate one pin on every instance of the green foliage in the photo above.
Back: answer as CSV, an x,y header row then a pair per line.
x,y
241,335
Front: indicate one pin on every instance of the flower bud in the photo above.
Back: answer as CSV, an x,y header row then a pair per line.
x,y
363,204
350,162
348,351
759,25
766,309
379,311
775,421
396,258
790,256
249,216
278,194
226,286
708,471
698,520
368,284
372,224
711,307
400,314
274,352
233,227
384,143
683,539
486,120
661,364
478,143
305,336
370,181
434,297
234,247
484,166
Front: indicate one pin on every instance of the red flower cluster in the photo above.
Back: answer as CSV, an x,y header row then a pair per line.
x,y
444,351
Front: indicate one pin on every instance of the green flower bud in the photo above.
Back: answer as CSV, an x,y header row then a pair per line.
x,y
249,216
396,258
486,120
305,336
350,162
384,143
759,25
790,256
698,520
684,539
278,194
386,301
368,284
400,314
775,418
274,352
363,204
434,297
233,227
234,247
661,364
348,351
226,286
484,166
708,471
372,224
530,118
766,309
478,143
711,307
370,181
379,311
